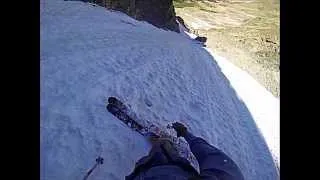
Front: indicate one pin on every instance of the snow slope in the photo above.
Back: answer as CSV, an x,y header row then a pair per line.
x,y
89,53
264,107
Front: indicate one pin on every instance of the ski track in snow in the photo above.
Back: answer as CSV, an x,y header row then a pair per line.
x,y
89,54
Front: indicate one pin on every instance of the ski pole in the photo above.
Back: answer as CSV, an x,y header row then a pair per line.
x,y
99,160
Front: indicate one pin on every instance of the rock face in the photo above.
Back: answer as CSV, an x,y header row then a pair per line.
x,y
160,13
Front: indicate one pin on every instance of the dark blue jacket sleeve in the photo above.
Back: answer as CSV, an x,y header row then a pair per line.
x,y
213,163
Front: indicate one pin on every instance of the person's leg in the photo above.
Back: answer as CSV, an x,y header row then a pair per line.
x,y
162,144
156,147
155,155
169,149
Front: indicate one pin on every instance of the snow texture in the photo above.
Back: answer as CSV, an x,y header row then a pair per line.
x,y
89,53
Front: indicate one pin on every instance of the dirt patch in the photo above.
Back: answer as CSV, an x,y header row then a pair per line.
x,y
245,32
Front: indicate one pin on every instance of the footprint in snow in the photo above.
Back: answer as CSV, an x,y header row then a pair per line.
x,y
148,102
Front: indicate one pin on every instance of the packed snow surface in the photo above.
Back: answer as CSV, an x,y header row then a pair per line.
x,y
89,53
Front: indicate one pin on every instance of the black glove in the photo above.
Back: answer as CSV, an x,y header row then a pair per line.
x,y
180,129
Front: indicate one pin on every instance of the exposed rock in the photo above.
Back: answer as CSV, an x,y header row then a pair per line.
x,y
201,39
160,13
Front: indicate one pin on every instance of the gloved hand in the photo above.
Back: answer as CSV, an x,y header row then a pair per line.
x,y
180,129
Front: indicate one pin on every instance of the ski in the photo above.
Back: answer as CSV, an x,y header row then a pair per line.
x,y
122,112
122,116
